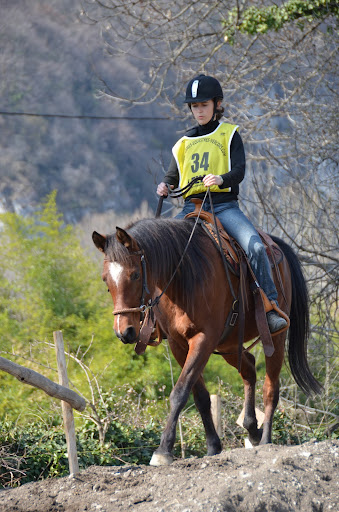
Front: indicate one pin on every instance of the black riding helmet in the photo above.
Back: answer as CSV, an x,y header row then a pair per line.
x,y
203,88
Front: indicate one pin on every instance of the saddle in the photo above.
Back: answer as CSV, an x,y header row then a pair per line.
x,y
230,247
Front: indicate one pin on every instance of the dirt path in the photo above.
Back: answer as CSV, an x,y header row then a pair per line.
x,y
265,479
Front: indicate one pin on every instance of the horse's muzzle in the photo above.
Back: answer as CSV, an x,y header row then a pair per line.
x,y
128,336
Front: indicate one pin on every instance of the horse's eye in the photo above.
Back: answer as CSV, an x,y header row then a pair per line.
x,y
135,276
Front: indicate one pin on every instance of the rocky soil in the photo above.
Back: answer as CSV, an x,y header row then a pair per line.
x,y
262,479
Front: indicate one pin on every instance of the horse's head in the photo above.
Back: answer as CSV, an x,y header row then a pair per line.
x,y
124,274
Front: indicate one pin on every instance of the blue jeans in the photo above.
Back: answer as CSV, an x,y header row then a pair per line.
x,y
242,230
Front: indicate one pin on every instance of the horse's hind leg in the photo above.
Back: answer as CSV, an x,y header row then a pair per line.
x,y
249,376
203,403
271,386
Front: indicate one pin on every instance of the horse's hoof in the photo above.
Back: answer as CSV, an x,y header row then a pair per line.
x,y
255,439
214,450
265,441
160,459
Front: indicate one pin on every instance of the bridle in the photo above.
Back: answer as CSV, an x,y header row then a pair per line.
x,y
147,317
145,291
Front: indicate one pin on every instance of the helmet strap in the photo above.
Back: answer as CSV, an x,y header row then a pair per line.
x,y
215,101
215,106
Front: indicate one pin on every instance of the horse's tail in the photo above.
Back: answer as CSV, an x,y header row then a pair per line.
x,y
300,324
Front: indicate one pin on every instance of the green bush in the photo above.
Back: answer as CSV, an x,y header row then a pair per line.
x,y
39,451
289,428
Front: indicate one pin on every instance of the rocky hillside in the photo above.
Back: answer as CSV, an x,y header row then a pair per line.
x,y
265,479
53,63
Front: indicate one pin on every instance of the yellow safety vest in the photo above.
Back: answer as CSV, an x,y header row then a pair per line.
x,y
206,154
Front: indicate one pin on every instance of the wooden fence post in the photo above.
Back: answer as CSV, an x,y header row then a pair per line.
x,y
67,410
216,413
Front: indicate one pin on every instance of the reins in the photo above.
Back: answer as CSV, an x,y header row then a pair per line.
x,y
177,192
146,310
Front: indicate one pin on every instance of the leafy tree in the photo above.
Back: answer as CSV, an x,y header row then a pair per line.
x,y
47,282
259,20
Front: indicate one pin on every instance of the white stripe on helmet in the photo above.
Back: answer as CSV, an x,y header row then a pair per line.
x,y
195,88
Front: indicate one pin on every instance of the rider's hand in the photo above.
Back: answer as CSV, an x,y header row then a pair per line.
x,y
212,179
162,189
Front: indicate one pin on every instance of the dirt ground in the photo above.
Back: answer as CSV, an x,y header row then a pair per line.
x,y
262,479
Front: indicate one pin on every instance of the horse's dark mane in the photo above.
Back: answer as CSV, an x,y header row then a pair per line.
x,y
163,242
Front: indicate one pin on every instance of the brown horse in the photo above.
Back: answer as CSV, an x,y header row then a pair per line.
x,y
186,287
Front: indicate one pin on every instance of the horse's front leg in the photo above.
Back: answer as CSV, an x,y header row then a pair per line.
x,y
196,360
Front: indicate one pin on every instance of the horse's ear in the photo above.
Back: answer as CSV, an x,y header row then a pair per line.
x,y
125,239
99,241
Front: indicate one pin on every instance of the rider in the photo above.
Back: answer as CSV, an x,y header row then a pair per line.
x,y
214,150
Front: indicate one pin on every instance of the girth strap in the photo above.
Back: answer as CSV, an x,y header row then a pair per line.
x,y
231,321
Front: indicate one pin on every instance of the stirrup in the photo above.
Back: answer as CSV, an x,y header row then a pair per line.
x,y
275,322
271,305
